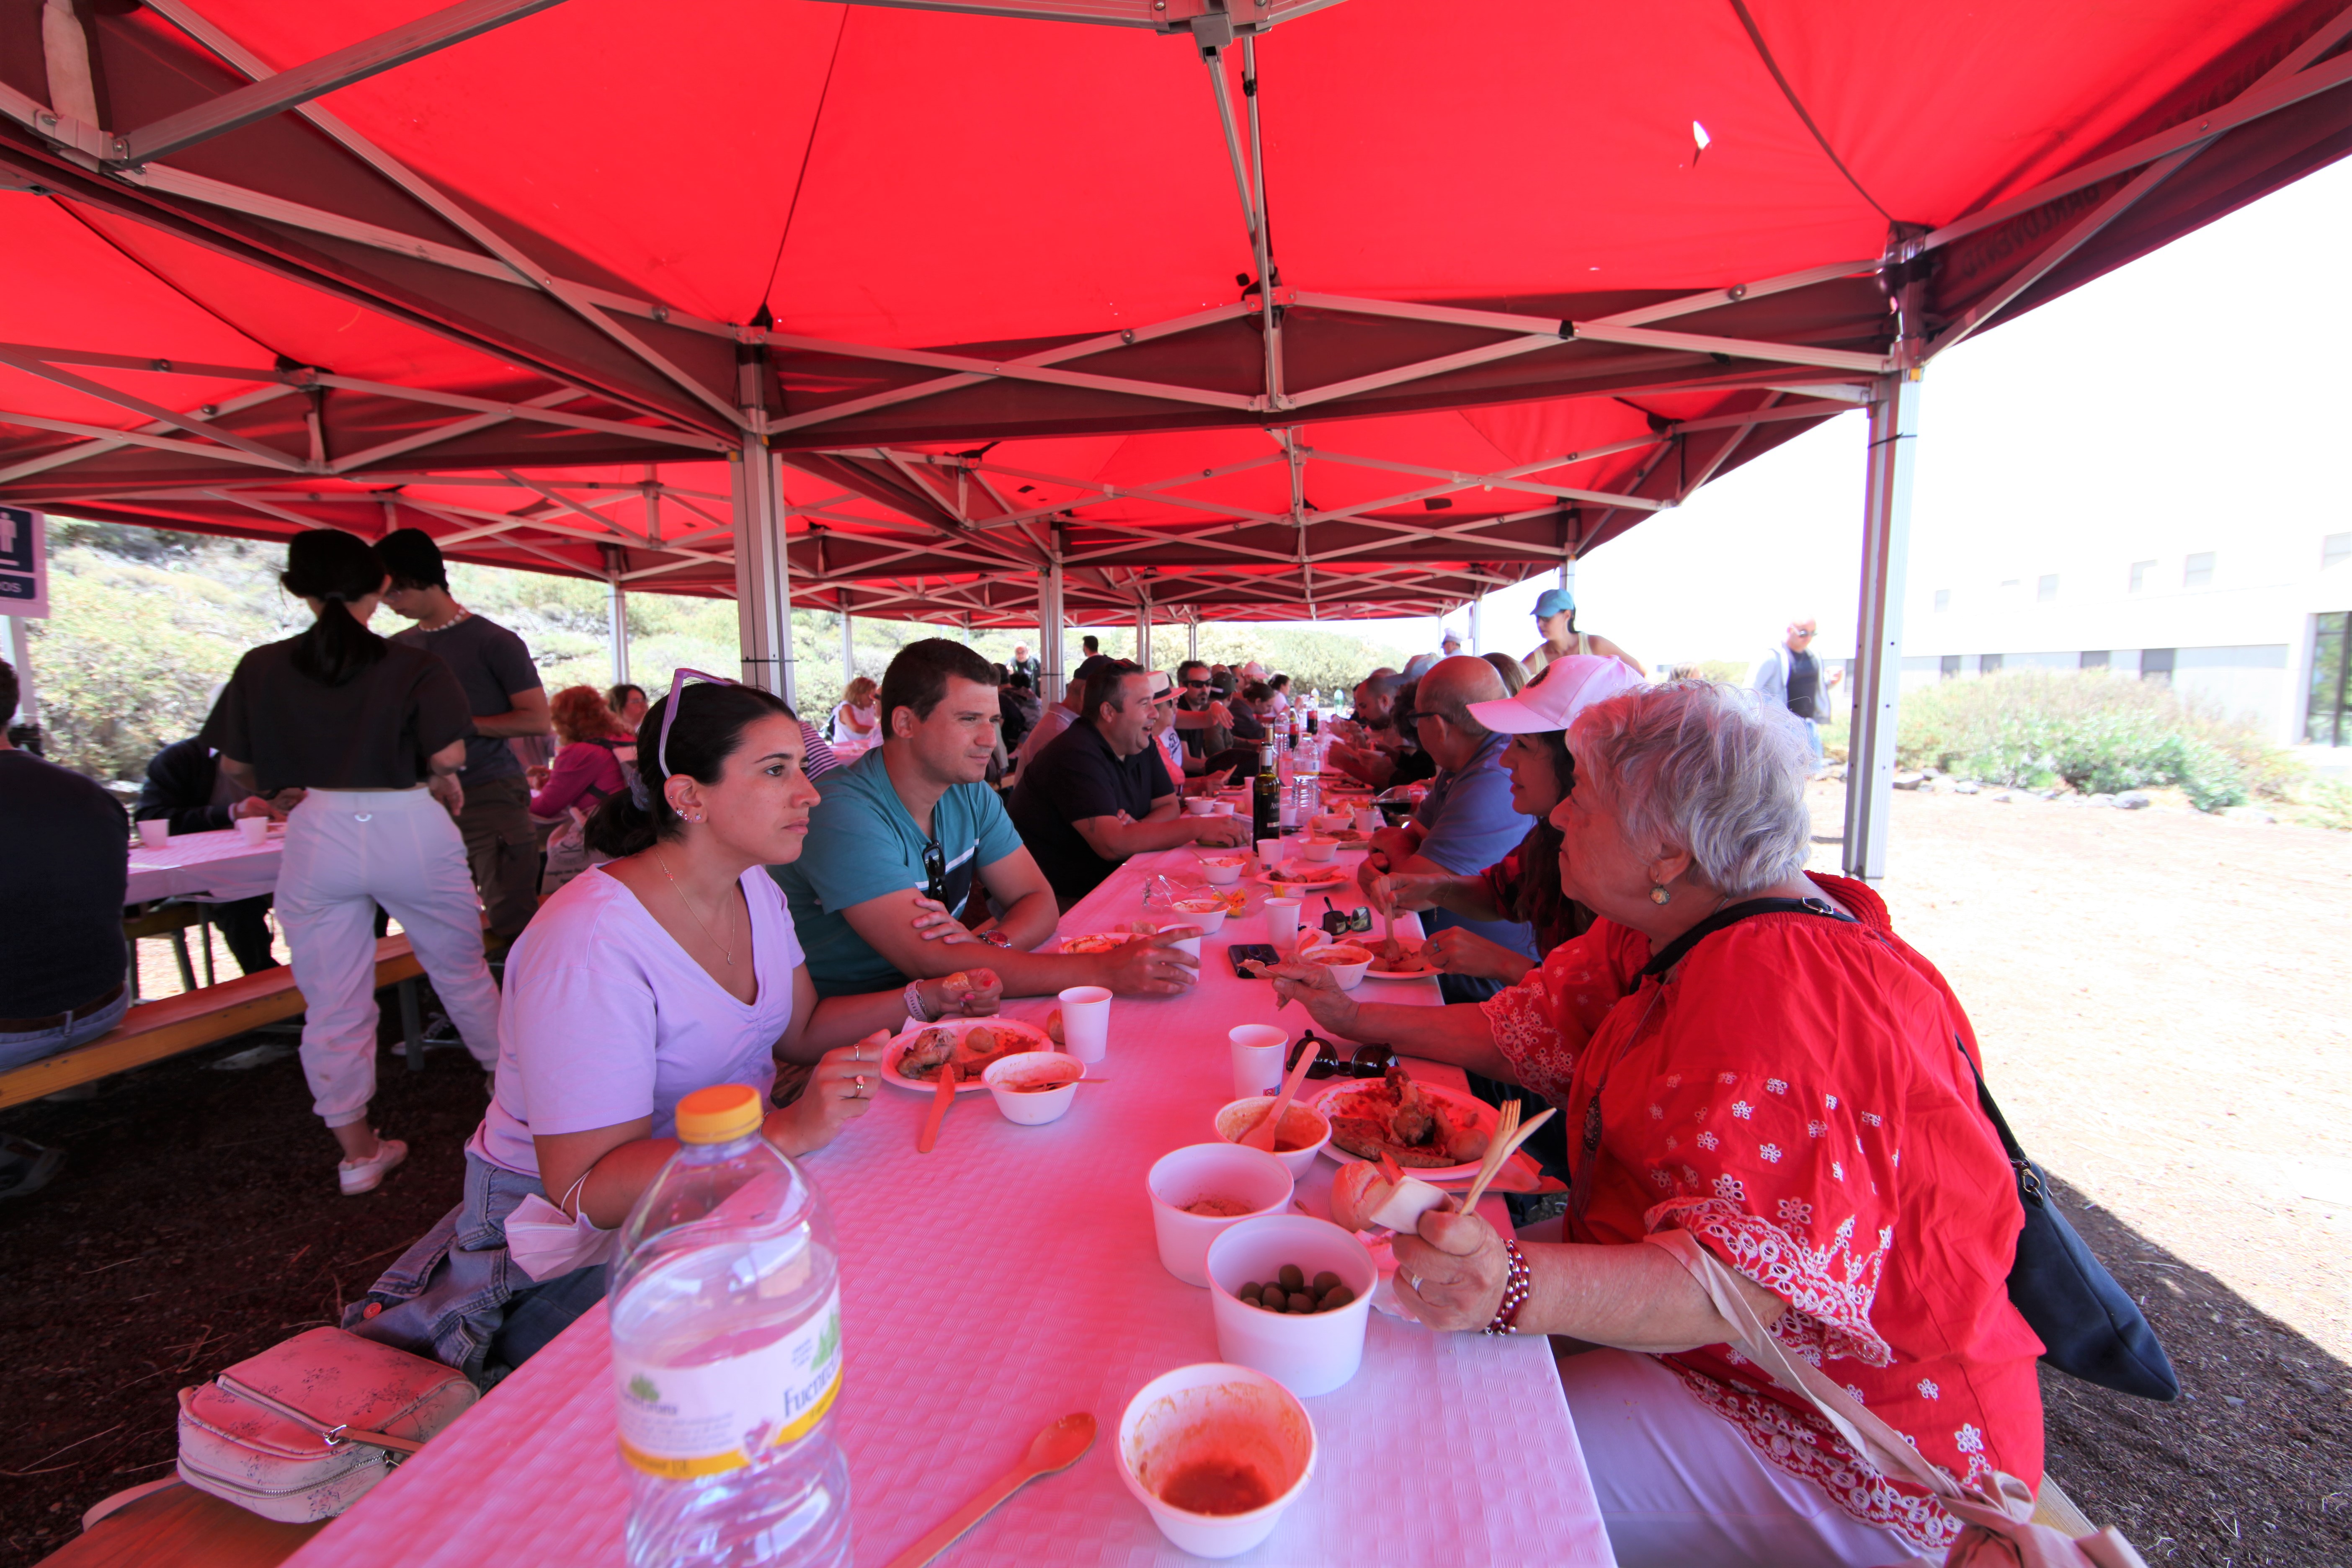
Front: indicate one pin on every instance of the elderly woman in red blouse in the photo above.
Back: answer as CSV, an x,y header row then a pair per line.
x,y
1791,1093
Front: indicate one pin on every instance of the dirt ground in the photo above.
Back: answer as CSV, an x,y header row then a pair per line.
x,y
2166,1005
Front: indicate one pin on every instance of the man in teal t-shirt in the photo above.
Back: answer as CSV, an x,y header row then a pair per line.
x,y
908,849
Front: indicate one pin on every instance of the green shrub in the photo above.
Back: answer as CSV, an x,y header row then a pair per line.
x,y
2100,732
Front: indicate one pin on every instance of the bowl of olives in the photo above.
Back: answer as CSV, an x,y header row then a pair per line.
x,y
1313,1340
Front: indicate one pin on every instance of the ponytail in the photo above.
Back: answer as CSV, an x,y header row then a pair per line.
x,y
337,569
710,724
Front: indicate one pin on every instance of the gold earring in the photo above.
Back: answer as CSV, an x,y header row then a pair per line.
x,y
1658,894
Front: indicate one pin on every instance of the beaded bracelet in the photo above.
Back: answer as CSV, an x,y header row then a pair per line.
x,y
1515,1292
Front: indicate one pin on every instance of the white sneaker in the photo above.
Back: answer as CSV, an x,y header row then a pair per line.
x,y
358,1176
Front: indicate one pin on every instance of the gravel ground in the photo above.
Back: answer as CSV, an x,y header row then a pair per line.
x,y
2165,1002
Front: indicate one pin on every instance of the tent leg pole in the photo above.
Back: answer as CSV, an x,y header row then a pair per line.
x,y
848,644
763,588
1143,635
1049,631
1192,637
20,654
616,617
1477,626
1878,634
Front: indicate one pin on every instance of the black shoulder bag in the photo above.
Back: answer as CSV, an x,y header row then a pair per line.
x,y
2089,1327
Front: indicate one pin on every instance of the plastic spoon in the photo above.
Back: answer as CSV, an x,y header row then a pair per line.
x,y
1057,1447
1262,1135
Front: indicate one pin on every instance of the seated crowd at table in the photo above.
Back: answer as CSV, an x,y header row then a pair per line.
x,y
1795,1092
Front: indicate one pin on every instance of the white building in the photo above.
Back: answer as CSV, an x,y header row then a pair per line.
x,y
2247,616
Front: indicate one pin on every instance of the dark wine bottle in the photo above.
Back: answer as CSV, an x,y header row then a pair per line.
x,y
1266,797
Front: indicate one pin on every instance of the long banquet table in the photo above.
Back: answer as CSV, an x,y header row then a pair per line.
x,y
214,867
1010,1278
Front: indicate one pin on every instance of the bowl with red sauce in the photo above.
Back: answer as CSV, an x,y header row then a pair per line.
x,y
1302,1135
1200,1190
1311,1353
1215,1453
1033,1088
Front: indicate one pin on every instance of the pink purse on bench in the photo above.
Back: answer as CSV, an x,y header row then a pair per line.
x,y
301,1431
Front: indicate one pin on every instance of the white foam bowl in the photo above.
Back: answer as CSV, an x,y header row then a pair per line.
x,y
1224,876
1200,806
1348,975
1330,821
1311,1353
1224,807
1238,1117
1221,1413
1033,1107
1317,850
1210,914
1209,1171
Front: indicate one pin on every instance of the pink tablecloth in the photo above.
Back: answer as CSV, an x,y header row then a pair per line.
x,y
1001,1281
213,867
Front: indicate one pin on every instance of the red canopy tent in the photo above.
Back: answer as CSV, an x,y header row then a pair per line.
x,y
977,309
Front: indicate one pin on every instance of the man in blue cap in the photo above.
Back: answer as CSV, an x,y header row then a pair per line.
x,y
1556,618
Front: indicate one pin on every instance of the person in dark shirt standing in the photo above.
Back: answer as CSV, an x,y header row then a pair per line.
x,y
359,724
61,952
1100,793
186,789
503,688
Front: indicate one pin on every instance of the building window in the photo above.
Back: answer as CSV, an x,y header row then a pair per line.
x,y
2155,664
1951,667
2047,589
1943,599
2139,574
1987,663
2334,549
2095,659
2197,572
2327,721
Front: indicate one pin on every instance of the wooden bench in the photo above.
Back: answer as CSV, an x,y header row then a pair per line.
x,y
151,1031
170,1524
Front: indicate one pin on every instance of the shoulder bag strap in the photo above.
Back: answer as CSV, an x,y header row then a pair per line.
x,y
335,1437
1674,951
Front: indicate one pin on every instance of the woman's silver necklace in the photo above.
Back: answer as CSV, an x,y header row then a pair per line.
x,y
724,950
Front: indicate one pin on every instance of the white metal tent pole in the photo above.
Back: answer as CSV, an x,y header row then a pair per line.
x,y
20,654
848,644
616,614
1477,626
1049,629
764,590
1878,633
1192,633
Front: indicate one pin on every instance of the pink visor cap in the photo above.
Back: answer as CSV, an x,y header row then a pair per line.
x,y
1560,691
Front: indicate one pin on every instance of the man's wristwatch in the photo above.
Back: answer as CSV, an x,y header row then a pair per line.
x,y
994,938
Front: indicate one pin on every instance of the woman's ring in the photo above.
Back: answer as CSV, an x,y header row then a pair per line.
x,y
1412,1282
860,1081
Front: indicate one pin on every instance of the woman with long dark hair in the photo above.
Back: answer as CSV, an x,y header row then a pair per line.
x,y
376,732
670,968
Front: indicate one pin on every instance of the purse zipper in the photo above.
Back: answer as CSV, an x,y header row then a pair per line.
x,y
336,1436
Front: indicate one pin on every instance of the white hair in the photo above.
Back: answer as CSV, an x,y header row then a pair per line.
x,y
1704,767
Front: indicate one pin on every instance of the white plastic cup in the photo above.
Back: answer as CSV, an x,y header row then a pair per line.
x,y
1257,1059
1310,1353
1269,853
1369,820
1199,1170
1225,1413
1281,924
252,829
1086,1022
154,832
1188,945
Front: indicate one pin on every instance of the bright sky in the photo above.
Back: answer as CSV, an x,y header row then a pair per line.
x,y
2208,374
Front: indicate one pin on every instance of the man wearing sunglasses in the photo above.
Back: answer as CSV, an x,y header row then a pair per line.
x,y
908,849
1101,793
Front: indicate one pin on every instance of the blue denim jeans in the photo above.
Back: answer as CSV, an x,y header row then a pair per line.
x,y
16,1050
457,1297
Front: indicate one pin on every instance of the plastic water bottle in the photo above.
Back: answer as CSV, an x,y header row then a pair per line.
x,y
726,1355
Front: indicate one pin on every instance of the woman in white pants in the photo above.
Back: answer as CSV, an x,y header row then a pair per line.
x,y
376,732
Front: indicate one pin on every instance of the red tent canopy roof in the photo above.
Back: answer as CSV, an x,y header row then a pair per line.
x,y
992,282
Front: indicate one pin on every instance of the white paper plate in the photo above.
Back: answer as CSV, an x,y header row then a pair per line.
x,y
1035,1036
1340,874
1484,1118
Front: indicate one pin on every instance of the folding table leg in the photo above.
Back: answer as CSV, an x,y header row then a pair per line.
x,y
179,952
205,928
412,1026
